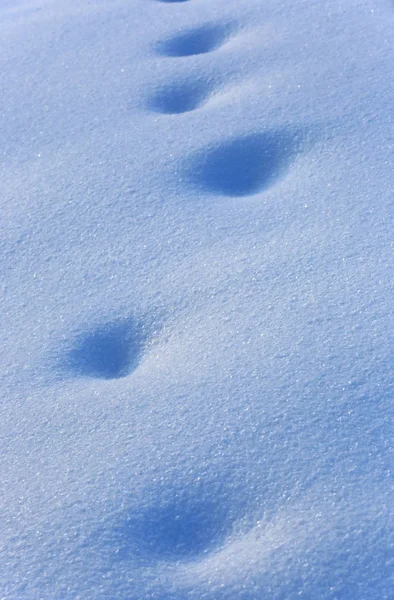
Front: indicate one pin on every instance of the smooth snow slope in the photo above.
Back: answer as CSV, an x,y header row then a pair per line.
x,y
197,299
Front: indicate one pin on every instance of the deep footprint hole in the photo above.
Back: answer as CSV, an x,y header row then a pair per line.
x,y
196,41
179,97
110,351
244,166
178,530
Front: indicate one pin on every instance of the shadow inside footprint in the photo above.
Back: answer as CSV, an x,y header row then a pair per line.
x,y
196,41
179,530
179,98
244,166
111,351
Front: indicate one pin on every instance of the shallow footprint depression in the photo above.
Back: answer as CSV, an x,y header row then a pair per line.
x,y
243,166
110,351
195,41
179,97
181,529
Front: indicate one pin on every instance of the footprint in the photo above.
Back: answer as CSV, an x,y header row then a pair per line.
x,y
111,351
244,166
196,41
180,97
180,529
172,1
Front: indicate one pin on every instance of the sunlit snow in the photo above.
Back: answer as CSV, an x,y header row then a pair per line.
x,y
197,358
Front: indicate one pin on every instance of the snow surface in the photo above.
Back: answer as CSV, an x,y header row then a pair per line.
x,y
197,300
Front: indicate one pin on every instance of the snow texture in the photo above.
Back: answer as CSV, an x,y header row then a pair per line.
x,y
197,300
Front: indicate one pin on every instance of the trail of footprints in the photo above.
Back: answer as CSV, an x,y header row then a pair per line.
x,y
240,166
186,96
237,167
189,526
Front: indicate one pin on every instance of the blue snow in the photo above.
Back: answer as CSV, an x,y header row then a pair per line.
x,y
197,325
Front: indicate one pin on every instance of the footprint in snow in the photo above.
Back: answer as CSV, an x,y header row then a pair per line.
x,y
179,529
195,41
110,351
244,166
180,97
